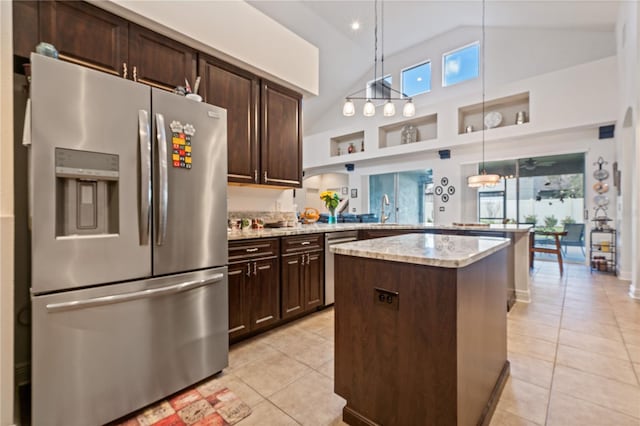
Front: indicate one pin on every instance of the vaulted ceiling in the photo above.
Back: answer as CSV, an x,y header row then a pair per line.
x,y
345,54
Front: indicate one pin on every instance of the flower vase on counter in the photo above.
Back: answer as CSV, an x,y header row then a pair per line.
x,y
331,200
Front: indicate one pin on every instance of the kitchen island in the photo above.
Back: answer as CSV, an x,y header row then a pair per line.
x,y
421,334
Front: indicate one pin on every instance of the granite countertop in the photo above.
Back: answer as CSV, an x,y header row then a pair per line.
x,y
446,251
323,227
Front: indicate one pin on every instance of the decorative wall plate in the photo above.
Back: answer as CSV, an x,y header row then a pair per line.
x,y
444,181
451,190
445,198
492,119
601,200
601,174
438,190
600,187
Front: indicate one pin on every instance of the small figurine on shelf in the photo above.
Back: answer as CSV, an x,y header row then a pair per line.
x,y
352,148
362,146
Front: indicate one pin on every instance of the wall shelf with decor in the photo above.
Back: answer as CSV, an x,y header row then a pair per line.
x,y
418,129
603,250
347,144
501,112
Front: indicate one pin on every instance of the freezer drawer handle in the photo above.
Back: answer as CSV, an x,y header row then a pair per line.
x,y
163,191
145,176
126,297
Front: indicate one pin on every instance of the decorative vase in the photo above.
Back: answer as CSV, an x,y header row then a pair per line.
x,y
332,216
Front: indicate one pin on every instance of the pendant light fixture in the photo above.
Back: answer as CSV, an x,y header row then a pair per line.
x,y
483,178
369,109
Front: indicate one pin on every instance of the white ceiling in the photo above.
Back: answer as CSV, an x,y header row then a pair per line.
x,y
345,55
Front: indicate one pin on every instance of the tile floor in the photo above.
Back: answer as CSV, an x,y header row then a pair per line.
x,y
574,352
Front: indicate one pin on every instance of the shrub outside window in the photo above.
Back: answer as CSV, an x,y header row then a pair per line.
x,y
416,79
461,64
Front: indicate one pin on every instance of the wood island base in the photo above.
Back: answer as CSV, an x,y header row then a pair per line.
x,y
418,344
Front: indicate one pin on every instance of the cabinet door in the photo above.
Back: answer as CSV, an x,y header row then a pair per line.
x,y
292,284
85,34
25,27
314,280
239,300
159,61
265,293
281,141
237,91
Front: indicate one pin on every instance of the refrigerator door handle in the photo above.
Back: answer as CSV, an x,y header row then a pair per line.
x,y
145,176
126,297
163,192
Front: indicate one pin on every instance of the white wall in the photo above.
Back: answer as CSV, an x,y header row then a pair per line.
x,y
312,186
513,54
246,198
6,215
231,30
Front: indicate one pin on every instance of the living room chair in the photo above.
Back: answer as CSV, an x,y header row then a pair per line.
x,y
574,237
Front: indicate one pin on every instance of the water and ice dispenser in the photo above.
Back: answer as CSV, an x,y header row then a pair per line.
x,y
86,193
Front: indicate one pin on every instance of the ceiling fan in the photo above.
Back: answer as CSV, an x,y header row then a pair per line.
x,y
532,164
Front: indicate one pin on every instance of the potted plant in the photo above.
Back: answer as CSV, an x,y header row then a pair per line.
x,y
331,201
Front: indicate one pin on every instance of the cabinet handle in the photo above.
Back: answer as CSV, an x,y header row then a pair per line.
x,y
252,250
135,73
302,260
266,179
249,269
305,243
255,175
255,268
124,70
308,258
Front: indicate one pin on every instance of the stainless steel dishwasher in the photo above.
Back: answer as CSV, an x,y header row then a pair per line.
x,y
329,240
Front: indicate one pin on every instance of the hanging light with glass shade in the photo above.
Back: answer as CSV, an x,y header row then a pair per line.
x,y
483,178
381,90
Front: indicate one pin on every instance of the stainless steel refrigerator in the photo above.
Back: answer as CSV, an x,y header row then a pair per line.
x,y
129,243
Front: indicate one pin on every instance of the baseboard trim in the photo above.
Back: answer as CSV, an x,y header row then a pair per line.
x,y
487,413
523,296
634,292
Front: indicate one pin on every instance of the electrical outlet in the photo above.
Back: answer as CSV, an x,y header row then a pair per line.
x,y
386,298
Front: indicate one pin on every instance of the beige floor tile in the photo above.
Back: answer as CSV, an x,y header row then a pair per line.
x,y
612,348
265,414
631,337
327,369
327,332
532,329
588,305
565,410
303,345
547,300
634,352
602,317
270,374
628,325
592,328
538,317
601,365
237,386
505,418
310,400
532,347
524,400
530,369
315,322
538,308
248,351
607,393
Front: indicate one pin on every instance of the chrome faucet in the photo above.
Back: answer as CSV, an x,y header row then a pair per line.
x,y
384,202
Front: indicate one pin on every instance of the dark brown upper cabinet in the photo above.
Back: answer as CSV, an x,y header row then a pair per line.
x,y
281,136
238,91
26,34
159,61
85,35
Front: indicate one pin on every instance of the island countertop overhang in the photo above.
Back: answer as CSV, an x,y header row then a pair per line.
x,y
445,251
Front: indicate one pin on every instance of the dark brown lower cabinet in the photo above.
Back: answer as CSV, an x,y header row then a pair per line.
x,y
314,280
302,282
254,286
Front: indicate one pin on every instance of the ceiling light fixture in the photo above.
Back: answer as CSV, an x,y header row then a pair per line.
x,y
382,91
483,178
355,25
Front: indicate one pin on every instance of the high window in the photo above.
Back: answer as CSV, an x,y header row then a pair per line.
x,y
461,65
416,79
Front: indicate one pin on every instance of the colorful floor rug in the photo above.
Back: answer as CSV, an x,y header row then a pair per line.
x,y
203,405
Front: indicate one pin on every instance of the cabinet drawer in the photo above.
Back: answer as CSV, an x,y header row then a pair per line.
x,y
302,243
251,249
